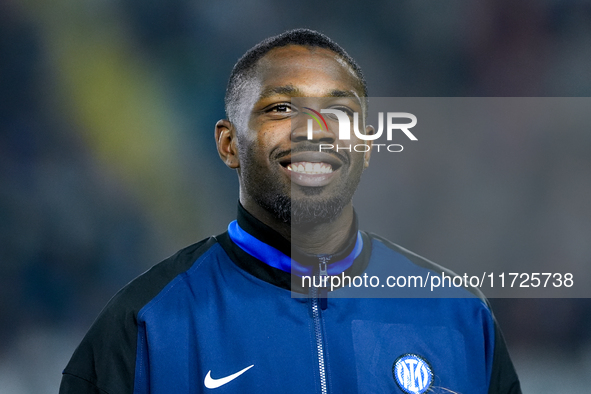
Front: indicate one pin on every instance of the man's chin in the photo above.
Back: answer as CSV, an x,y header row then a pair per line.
x,y
308,213
304,212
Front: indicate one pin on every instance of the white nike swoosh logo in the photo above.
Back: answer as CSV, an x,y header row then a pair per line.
x,y
211,383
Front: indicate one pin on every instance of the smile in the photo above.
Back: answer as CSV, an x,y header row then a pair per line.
x,y
311,169
306,167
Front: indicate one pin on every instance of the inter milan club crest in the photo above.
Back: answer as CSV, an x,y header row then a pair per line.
x,y
412,374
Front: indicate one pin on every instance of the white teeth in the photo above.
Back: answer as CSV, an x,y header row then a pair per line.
x,y
310,168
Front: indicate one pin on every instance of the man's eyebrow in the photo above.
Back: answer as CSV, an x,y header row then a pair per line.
x,y
346,93
341,93
292,91
287,90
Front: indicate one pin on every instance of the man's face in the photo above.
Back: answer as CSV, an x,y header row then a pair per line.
x,y
280,169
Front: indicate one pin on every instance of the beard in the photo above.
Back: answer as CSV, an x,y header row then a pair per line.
x,y
312,206
307,211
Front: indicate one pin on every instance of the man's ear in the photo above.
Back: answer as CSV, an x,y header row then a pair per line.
x,y
225,140
369,130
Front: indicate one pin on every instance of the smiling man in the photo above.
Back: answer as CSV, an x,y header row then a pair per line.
x,y
221,315
285,180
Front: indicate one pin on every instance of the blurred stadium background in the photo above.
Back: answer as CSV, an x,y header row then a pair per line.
x,y
107,161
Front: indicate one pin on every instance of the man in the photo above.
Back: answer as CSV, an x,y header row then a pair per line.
x,y
219,315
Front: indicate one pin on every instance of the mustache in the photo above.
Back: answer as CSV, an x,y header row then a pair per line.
x,y
310,147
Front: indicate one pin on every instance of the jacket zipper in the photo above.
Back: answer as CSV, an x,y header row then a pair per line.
x,y
320,302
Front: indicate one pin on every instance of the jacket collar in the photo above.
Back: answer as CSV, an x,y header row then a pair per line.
x,y
254,262
266,234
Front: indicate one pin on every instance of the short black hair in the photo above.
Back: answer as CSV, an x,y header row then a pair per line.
x,y
304,37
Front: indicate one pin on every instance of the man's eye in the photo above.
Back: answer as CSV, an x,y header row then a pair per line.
x,y
282,108
346,110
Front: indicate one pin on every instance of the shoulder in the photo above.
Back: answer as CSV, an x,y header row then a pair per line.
x,y
145,287
501,373
411,256
419,263
106,356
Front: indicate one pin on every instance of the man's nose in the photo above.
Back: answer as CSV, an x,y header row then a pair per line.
x,y
309,129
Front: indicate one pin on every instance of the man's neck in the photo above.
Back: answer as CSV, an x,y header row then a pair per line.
x,y
323,238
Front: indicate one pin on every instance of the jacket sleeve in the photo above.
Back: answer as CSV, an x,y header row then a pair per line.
x,y
503,379
75,384
104,362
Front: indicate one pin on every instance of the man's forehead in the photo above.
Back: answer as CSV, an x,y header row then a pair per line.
x,y
291,51
297,70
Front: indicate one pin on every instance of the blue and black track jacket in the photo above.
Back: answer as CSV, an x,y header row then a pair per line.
x,y
214,318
